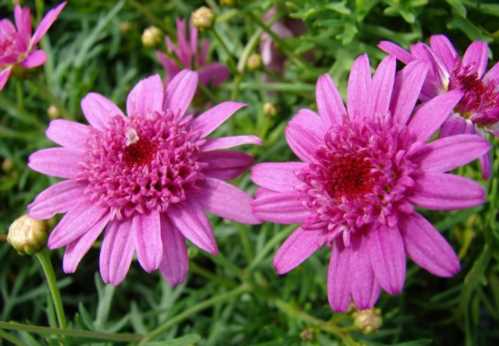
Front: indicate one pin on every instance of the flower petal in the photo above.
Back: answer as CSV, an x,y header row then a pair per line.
x,y
229,142
441,191
23,25
363,282
56,162
445,50
426,246
310,122
277,176
4,77
281,207
454,125
58,198
224,164
299,246
432,114
35,59
476,57
117,251
99,110
492,74
448,153
191,221
146,97
148,242
227,201
329,102
210,120
69,134
338,278
486,165
302,141
46,23
359,85
387,255
382,86
175,263
213,74
395,50
180,91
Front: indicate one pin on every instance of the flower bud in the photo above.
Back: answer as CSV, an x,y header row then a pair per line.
x,y
7,165
151,37
203,18
53,112
125,27
368,321
269,109
307,335
227,2
254,61
27,235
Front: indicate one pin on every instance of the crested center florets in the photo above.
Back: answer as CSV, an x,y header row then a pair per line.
x,y
141,163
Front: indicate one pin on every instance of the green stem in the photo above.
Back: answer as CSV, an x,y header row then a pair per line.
x,y
20,95
46,264
76,333
11,338
193,310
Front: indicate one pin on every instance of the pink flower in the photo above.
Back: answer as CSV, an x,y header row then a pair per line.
x,y
147,179
191,55
18,47
479,107
364,168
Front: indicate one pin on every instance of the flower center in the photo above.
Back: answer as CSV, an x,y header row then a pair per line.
x,y
138,151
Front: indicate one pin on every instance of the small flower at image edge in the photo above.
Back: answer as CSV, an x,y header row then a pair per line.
x,y
18,47
363,170
147,178
478,110
193,55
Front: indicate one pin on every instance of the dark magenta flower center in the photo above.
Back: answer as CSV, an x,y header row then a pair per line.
x,y
140,152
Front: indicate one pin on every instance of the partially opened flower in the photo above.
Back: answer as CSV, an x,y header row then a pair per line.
x,y
147,178
193,55
18,46
479,107
363,170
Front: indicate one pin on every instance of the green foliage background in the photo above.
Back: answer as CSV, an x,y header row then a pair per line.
x,y
235,298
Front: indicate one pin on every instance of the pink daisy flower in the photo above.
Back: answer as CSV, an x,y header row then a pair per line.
x,y
365,167
18,47
147,179
192,55
479,107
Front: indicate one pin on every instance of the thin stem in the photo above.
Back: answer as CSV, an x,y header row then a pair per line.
x,y
46,264
193,310
11,338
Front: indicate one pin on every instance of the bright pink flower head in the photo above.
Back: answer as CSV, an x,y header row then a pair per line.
x,y
191,55
147,179
18,47
479,106
365,167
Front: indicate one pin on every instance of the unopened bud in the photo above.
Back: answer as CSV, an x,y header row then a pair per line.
x,y
227,2
307,335
151,37
27,235
203,18
254,61
269,109
7,165
53,112
125,27
368,321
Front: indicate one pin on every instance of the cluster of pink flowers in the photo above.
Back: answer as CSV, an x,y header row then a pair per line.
x,y
144,180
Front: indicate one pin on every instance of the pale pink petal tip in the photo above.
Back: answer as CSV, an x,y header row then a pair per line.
x,y
180,92
46,23
4,77
146,97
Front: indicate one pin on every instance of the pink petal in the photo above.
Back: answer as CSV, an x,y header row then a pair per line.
x,y
364,287
395,50
58,198
277,176
407,90
180,91
299,246
382,86
191,221
301,140
359,85
492,74
35,59
69,134
213,74
281,207
23,24
451,152
445,50
77,222
229,142
329,103
4,77
169,65
116,252
432,114
99,110
175,263
224,164
148,244
454,125
56,162
426,246
76,250
387,255
338,278
46,23
146,98
440,191
476,57
486,165
227,201
210,120
310,122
